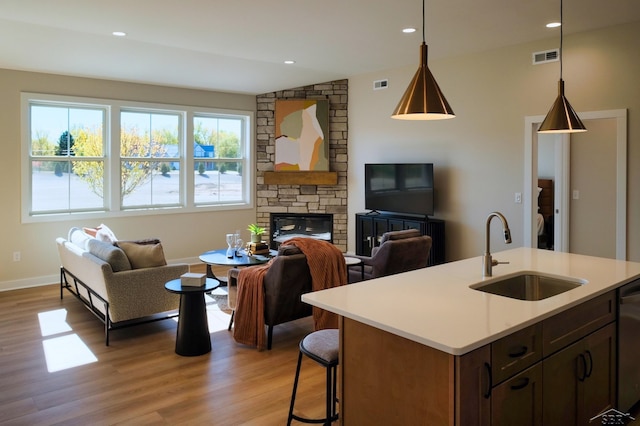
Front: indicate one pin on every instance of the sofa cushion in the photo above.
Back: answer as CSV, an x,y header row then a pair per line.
x,y
111,254
79,238
143,253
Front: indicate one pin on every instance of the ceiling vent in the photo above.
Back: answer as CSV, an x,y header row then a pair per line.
x,y
546,56
380,84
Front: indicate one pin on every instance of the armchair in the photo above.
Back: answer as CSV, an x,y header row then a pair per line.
x,y
399,251
287,278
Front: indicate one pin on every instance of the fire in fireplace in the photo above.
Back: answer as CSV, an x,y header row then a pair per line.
x,y
285,226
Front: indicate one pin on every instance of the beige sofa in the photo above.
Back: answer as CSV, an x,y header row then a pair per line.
x,y
101,275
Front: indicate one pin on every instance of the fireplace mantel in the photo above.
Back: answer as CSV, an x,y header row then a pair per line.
x,y
301,178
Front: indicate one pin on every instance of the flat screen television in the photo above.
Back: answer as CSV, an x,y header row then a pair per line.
x,y
399,188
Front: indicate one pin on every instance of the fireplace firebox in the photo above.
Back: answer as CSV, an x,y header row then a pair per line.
x,y
285,226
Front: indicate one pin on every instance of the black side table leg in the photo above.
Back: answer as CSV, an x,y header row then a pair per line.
x,y
193,336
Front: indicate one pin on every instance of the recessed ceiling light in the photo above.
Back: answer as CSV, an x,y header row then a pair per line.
x,y
289,62
119,33
409,30
553,24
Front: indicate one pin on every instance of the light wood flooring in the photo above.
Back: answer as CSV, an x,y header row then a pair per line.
x,y
138,379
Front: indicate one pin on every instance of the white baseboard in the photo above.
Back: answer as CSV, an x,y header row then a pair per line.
x,y
55,279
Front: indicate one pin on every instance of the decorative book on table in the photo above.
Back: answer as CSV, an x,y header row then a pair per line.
x,y
191,279
258,248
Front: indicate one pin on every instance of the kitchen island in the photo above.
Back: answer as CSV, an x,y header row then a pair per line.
x,y
422,347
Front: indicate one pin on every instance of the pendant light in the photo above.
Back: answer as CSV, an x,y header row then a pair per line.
x,y
423,99
561,118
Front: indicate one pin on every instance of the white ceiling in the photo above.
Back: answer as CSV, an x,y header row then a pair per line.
x,y
240,45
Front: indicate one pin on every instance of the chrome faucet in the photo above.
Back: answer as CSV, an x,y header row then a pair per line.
x,y
487,261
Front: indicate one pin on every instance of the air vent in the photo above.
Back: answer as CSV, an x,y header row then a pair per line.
x,y
546,56
380,84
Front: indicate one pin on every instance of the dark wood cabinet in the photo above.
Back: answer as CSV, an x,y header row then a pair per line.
x,y
517,401
371,226
579,380
561,371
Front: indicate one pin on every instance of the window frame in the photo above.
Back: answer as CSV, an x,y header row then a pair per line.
x,y
111,131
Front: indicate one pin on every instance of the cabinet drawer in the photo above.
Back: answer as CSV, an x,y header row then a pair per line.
x,y
518,401
567,327
515,352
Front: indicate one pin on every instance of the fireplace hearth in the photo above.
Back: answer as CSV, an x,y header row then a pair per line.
x,y
285,226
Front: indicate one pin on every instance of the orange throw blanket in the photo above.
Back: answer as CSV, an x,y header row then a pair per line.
x,y
327,268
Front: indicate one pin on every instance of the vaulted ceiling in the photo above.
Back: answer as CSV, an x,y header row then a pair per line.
x,y
241,45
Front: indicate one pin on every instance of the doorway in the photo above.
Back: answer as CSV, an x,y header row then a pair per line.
x,y
609,214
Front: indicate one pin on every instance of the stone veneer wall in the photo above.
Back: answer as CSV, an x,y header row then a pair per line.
x,y
296,198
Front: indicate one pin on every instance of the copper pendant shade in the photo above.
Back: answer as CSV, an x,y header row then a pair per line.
x,y
561,118
423,99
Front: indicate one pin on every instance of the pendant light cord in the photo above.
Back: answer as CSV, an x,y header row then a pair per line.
x,y
423,37
561,25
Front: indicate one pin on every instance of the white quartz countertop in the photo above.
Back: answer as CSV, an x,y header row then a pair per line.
x,y
434,306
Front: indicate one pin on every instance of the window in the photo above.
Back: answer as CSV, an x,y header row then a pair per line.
x,y
150,146
66,158
102,157
218,157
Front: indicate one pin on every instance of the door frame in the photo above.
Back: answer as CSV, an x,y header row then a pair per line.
x,y
531,124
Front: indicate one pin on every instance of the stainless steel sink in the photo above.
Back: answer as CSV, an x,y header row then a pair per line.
x,y
528,286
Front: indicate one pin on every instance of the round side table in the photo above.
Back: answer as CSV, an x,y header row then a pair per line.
x,y
192,337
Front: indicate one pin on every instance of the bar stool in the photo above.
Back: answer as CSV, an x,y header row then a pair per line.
x,y
322,347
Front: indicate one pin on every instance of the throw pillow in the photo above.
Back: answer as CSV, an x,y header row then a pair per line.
x,y
102,232
78,237
143,253
111,254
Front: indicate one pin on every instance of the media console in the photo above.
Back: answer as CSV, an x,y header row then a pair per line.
x,y
371,226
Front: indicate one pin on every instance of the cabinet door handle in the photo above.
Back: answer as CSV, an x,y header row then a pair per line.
x,y
487,369
582,376
521,384
590,370
518,352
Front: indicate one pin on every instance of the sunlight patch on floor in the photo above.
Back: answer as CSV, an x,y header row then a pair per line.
x,y
53,322
66,352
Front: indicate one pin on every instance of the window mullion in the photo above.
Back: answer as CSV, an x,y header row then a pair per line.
x,y
112,180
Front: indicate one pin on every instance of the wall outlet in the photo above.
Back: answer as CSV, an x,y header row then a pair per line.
x,y
16,256
518,198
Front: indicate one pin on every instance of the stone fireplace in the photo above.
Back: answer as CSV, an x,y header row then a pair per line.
x,y
285,226
299,196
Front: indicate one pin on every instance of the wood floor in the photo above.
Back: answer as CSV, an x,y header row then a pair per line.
x,y
138,379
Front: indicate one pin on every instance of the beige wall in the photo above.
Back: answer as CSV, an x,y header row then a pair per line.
x,y
184,236
479,155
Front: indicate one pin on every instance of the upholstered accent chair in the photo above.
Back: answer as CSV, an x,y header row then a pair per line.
x,y
399,251
287,279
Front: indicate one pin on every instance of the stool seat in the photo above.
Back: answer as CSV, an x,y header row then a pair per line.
x,y
322,346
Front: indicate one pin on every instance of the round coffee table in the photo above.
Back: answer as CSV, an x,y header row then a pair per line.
x,y
192,337
219,257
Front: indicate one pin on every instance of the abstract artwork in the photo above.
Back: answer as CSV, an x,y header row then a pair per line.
x,y
302,135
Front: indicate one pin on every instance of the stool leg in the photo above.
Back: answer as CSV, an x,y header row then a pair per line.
x,y
329,398
334,396
295,388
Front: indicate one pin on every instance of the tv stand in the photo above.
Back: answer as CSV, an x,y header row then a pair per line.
x,y
371,225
